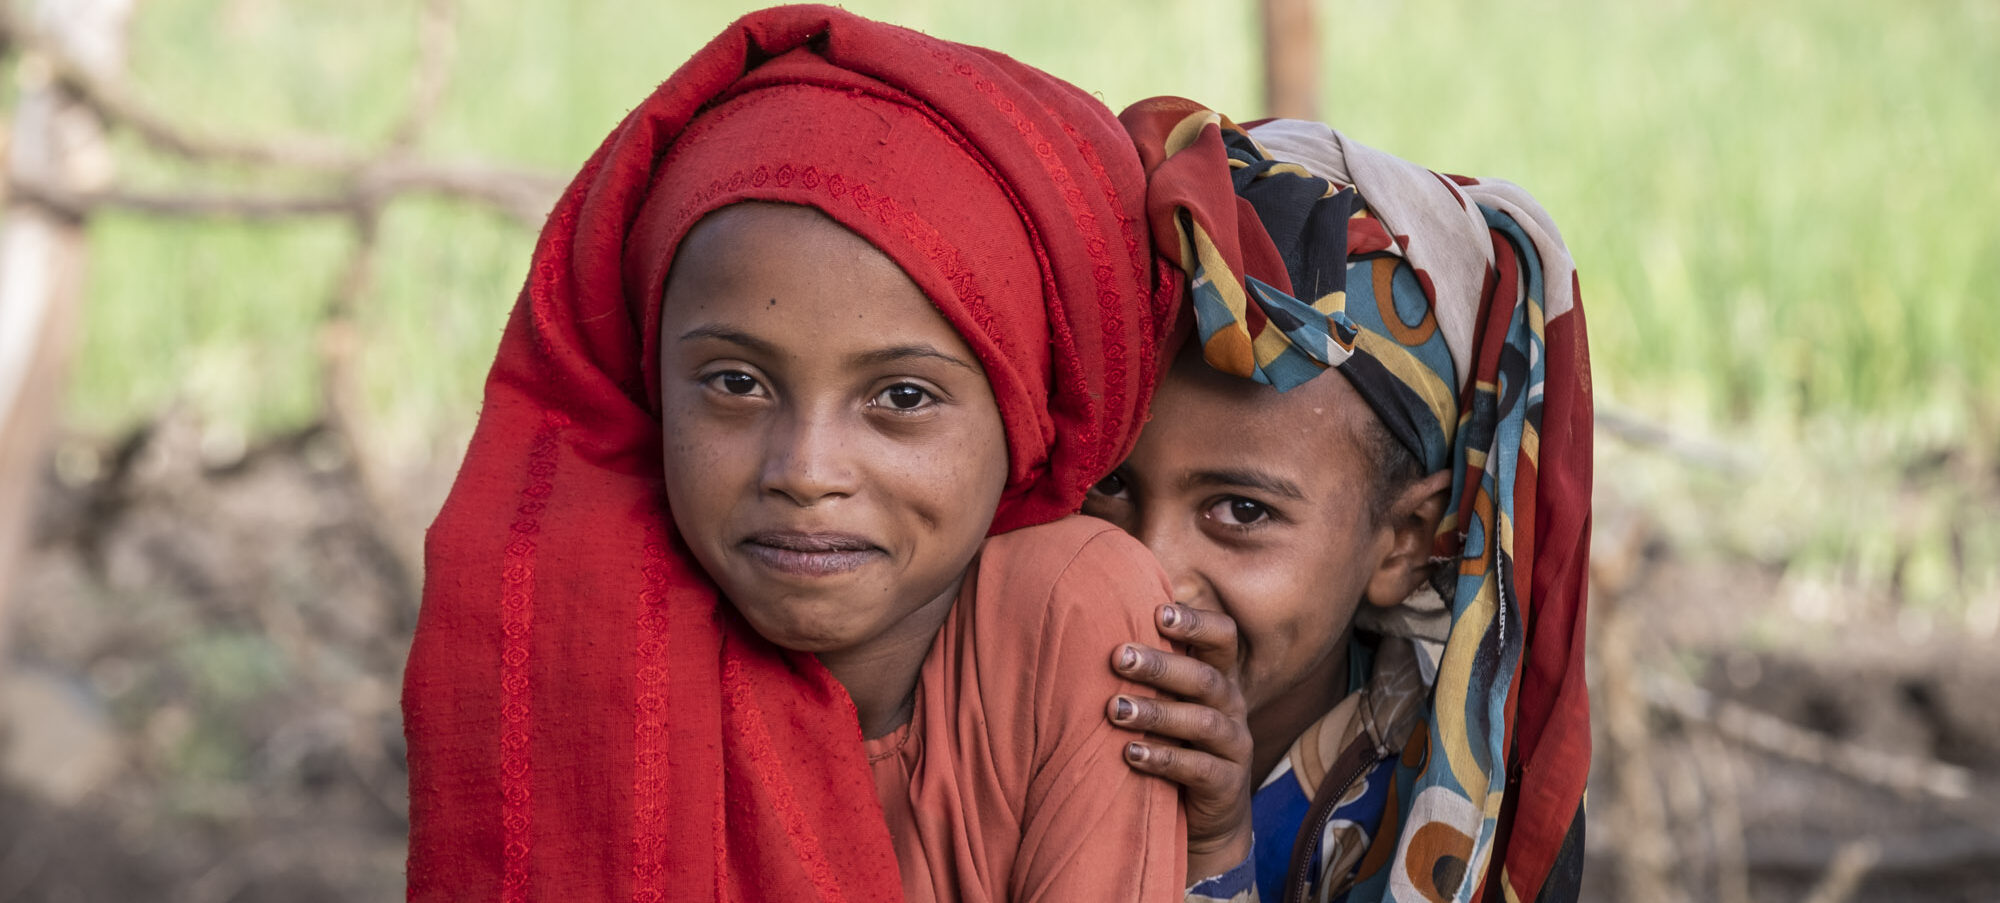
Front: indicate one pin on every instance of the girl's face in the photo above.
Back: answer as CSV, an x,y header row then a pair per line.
x,y
834,455
1258,503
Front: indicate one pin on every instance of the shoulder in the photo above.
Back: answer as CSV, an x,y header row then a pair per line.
x,y
1059,597
1056,601
1070,565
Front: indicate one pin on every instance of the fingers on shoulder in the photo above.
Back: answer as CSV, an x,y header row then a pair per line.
x,y
1203,726
1183,765
1210,634
1175,674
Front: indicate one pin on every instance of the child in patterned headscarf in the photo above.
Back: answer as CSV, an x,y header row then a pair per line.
x,y
1379,579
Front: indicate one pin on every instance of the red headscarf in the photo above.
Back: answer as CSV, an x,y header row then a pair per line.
x,y
585,719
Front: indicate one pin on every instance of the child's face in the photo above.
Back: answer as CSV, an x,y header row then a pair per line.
x,y
1257,503
834,455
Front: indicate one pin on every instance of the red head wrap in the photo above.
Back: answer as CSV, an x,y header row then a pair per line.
x,y
584,722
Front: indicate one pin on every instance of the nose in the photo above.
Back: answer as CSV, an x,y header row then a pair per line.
x,y
1191,590
1177,549
808,458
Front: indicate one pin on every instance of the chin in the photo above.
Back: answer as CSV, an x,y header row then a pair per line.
x,y
799,634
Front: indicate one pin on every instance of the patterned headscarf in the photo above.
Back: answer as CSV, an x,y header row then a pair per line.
x,y
586,719
1451,305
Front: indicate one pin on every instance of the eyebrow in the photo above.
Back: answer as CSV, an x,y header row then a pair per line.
x,y
1245,479
875,357
731,336
896,353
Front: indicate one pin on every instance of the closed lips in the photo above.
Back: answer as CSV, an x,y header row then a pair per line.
x,y
811,542
810,554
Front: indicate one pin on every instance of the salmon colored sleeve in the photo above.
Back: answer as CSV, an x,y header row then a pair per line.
x,y
1092,828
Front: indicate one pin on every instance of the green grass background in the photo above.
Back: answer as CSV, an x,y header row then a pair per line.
x,y
1783,213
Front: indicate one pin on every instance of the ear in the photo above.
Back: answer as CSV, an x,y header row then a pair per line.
x,y
1411,524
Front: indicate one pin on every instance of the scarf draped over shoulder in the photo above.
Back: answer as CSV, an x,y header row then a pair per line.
x,y
586,720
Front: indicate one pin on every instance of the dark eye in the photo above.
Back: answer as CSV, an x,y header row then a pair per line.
x,y
1238,512
735,382
904,397
1112,486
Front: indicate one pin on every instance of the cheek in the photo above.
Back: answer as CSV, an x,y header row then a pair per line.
x,y
704,467
954,478
1280,599
981,453
1292,604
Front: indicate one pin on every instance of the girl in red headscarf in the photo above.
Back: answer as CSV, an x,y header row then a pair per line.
x,y
711,612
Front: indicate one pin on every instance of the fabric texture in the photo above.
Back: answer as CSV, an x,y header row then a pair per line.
x,y
586,720
1007,784
1451,304
1238,885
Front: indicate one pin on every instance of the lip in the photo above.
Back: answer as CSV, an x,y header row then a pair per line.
x,y
802,553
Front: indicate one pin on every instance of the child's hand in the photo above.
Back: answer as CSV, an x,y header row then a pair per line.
x,y
1209,718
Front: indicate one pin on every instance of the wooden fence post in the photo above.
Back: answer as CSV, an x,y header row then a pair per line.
x,y
1291,59
52,140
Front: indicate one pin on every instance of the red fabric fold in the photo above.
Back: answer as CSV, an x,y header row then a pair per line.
x,y
1190,176
586,719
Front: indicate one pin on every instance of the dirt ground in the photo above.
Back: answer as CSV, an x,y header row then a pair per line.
x,y
1862,745
201,704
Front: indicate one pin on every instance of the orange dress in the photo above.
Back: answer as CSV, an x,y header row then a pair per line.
x,y
1008,783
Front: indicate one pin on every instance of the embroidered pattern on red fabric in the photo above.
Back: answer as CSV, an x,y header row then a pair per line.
x,y
745,718
1126,227
649,729
1074,383
1158,306
886,211
516,620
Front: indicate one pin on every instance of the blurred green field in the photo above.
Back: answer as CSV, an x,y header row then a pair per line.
x,y
1783,211
1780,208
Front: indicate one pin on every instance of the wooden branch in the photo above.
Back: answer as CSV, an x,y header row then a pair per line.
x,y
1725,819
77,206
1638,822
111,103
1635,430
523,195
1962,849
436,45
1843,875
1908,775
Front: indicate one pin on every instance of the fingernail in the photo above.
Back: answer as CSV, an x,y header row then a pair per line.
x,y
1135,752
1128,658
1170,615
1121,709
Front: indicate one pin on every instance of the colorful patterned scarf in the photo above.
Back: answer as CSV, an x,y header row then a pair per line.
x,y
1452,306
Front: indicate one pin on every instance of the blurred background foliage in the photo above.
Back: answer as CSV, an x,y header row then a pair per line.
x,y
1782,213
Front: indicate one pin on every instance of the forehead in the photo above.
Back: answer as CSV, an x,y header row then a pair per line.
x,y
793,271
1203,419
762,243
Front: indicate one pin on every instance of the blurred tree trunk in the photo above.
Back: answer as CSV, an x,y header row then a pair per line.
x,y
56,142
1291,59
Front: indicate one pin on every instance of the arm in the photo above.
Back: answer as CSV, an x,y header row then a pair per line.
x,y
1204,711
1092,827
